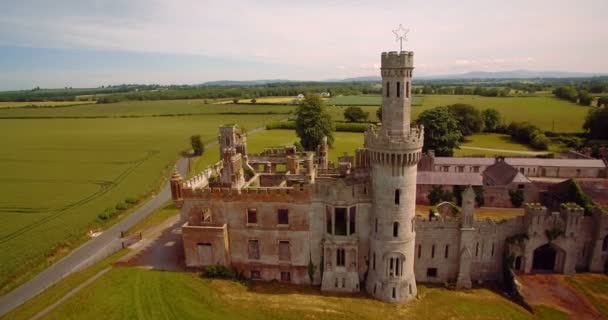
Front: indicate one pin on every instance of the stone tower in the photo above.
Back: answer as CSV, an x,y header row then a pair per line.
x,y
394,150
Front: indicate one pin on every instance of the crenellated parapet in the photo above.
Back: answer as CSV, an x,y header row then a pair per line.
x,y
396,60
378,140
301,193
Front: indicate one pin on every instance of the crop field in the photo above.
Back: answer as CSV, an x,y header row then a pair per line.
x,y
145,109
366,100
548,113
132,293
41,104
57,175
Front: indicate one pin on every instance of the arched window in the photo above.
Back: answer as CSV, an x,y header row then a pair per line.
x,y
395,229
388,89
398,89
397,196
407,89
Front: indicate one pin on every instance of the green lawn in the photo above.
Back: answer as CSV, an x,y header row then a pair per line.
x,y
57,175
548,113
131,293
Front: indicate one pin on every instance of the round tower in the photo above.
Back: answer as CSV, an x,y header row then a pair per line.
x,y
394,149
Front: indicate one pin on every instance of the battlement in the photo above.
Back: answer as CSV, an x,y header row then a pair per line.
x,y
378,139
297,193
396,60
535,209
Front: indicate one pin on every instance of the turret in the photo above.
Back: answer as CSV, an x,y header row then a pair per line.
x,y
176,188
393,154
466,239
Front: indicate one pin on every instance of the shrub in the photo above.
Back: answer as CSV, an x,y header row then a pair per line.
x,y
298,145
121,206
355,114
517,197
235,101
288,125
197,145
218,271
540,142
438,195
131,200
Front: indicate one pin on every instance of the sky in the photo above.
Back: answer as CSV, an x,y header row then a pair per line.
x,y
89,43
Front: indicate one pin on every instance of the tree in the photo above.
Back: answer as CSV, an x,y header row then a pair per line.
x,y
441,131
254,100
438,195
584,98
517,197
567,93
491,119
313,123
596,123
379,114
355,114
197,145
602,101
468,117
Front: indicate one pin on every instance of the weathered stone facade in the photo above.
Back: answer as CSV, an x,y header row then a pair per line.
x,y
355,220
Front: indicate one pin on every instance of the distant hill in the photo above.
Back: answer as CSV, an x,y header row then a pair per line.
x,y
513,74
244,82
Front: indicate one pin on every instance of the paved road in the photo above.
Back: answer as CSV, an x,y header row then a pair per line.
x,y
92,251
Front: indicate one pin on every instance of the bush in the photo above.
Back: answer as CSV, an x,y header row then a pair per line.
x,y
438,195
299,147
218,271
540,142
355,114
517,197
121,206
287,125
131,200
571,142
340,126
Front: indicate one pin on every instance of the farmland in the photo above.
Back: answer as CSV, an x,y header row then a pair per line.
x,y
10,104
57,175
546,112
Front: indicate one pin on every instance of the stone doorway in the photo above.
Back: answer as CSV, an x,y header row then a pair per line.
x,y
548,258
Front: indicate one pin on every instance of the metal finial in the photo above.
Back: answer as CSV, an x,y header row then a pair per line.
x,y
401,35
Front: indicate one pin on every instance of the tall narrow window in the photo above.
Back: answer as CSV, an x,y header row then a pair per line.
x,y
284,251
340,261
283,216
374,261
340,221
397,196
433,251
407,89
388,89
398,89
492,249
376,228
352,221
328,221
394,293
252,216
447,251
395,229
254,250
419,250
477,249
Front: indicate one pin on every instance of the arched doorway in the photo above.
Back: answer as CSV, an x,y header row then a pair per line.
x,y
547,258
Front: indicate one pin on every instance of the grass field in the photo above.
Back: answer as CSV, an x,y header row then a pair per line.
x,y
57,175
42,104
365,100
146,109
548,113
498,142
130,293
